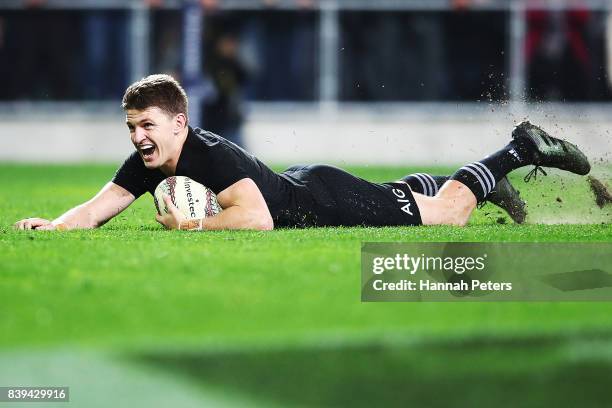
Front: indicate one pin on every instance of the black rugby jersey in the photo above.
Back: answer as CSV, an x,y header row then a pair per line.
x,y
301,196
217,163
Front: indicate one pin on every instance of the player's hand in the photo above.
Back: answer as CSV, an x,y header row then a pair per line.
x,y
33,223
40,224
174,217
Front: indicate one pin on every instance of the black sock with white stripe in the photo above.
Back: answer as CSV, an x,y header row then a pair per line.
x,y
481,176
424,183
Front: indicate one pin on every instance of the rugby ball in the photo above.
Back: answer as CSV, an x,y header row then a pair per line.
x,y
190,197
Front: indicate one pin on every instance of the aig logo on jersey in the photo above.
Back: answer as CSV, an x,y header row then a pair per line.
x,y
401,198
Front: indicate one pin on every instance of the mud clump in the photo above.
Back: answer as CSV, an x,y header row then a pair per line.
x,y
599,189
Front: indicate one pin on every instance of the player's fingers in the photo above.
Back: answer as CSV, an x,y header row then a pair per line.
x,y
160,219
164,220
170,205
31,223
25,224
46,227
37,222
168,201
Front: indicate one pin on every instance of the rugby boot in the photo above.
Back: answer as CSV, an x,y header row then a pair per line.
x,y
506,197
548,151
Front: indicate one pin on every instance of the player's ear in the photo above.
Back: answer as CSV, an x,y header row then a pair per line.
x,y
180,122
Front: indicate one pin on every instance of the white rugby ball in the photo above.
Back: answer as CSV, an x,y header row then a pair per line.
x,y
190,197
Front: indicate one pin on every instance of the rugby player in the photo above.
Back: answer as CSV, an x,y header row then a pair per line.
x,y
254,197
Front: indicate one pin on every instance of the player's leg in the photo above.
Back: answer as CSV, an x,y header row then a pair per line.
x,y
504,195
473,182
357,202
530,146
453,205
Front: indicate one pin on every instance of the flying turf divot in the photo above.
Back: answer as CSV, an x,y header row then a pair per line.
x,y
601,192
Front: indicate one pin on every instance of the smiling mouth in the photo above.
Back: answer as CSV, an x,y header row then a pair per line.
x,y
147,150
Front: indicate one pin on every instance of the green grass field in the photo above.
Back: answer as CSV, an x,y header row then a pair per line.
x,y
274,318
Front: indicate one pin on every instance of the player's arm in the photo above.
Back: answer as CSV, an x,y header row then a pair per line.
x,y
244,207
110,201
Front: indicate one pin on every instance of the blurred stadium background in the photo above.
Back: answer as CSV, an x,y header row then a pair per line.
x,y
308,80
130,315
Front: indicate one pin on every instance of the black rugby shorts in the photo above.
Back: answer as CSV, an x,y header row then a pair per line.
x,y
341,199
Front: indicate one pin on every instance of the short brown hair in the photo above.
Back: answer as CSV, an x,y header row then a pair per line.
x,y
160,90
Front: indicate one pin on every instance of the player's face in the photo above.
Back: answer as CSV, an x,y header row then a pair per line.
x,y
152,132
